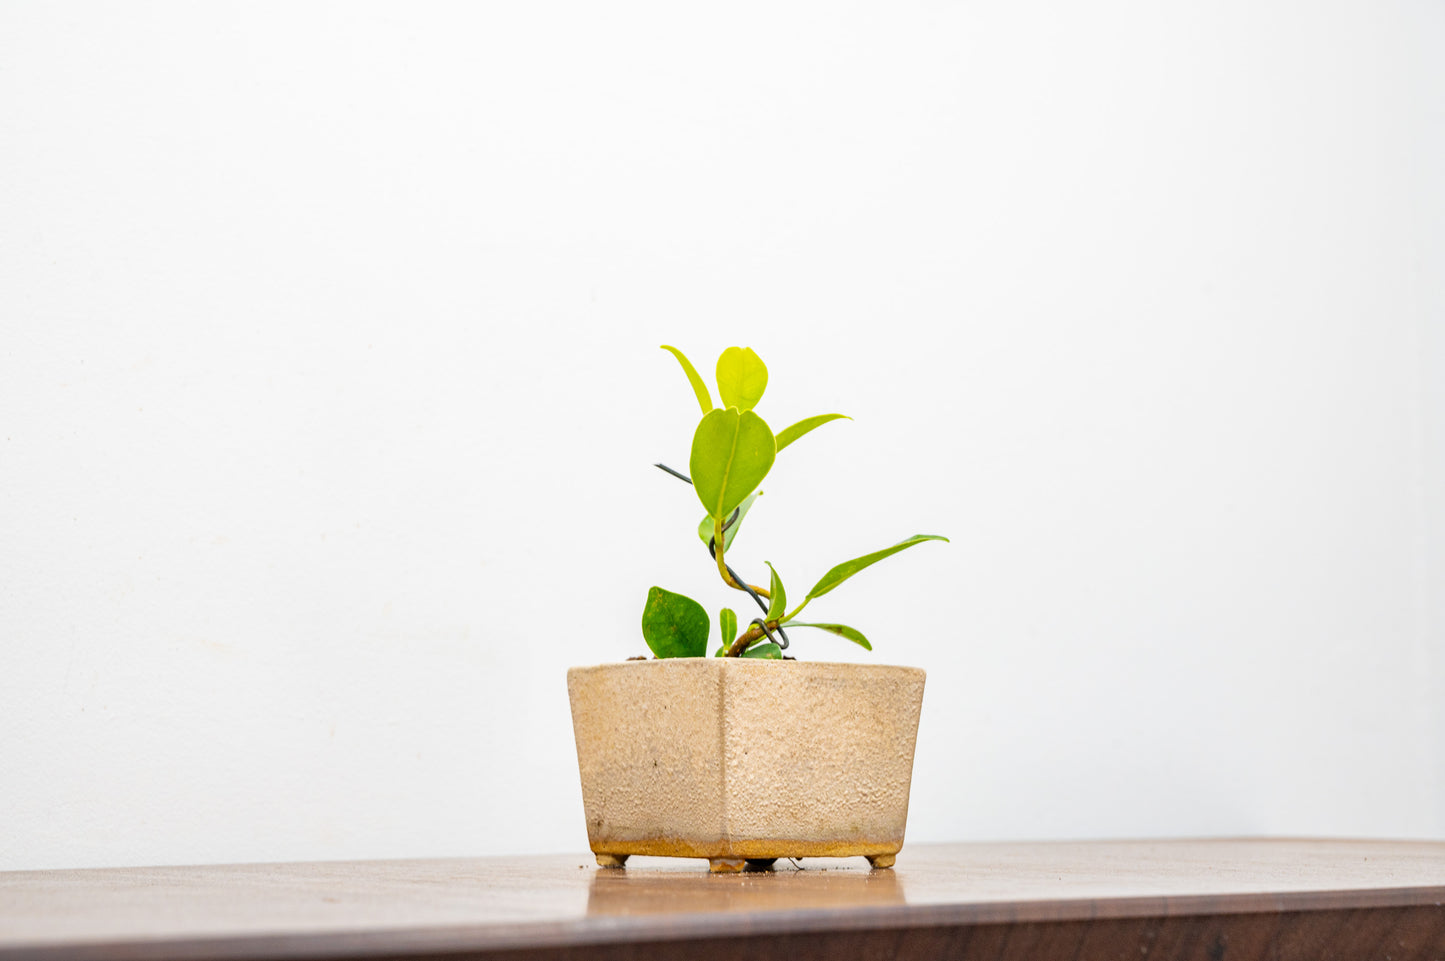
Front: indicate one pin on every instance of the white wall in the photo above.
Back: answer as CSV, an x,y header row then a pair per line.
x,y
1428,228
329,388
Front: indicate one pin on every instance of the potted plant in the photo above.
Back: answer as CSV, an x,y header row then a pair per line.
x,y
749,755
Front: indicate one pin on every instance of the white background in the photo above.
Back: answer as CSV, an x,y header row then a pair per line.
x,y
329,389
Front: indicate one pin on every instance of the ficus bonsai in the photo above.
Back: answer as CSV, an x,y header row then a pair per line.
x,y
733,449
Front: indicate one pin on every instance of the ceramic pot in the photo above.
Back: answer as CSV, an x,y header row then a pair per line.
x,y
743,761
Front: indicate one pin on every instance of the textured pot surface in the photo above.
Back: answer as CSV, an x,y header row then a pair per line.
x,y
731,758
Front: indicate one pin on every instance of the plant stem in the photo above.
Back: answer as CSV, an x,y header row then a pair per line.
x,y
746,639
717,553
788,617
754,632
722,568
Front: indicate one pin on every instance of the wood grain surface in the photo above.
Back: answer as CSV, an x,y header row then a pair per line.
x,y
1205,899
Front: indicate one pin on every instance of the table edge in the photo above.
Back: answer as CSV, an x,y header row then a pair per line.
x,y
613,929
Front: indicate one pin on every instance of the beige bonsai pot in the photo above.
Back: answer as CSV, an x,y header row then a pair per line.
x,y
743,761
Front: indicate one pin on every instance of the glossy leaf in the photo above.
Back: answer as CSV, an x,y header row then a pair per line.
x,y
732,452
794,431
741,378
847,569
727,622
699,387
778,603
842,630
704,527
767,650
674,625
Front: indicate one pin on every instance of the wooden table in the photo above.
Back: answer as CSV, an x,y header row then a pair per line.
x,y
1210,900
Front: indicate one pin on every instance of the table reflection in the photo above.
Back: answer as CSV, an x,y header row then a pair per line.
x,y
674,890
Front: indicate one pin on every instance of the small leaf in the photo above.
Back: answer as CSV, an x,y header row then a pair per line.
x,y
704,398
842,630
793,432
727,622
779,600
741,378
731,454
767,650
847,569
720,652
674,625
704,527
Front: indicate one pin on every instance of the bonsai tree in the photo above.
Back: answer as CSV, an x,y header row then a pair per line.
x,y
733,449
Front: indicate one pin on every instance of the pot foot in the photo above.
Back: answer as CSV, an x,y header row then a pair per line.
x,y
725,865
882,860
759,864
612,860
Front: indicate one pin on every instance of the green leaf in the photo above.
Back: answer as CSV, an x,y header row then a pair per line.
x,y
768,650
741,378
727,622
842,630
720,652
674,625
847,569
704,527
793,432
779,601
731,454
704,398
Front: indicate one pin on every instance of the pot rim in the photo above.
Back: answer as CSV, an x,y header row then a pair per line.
x,y
739,661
